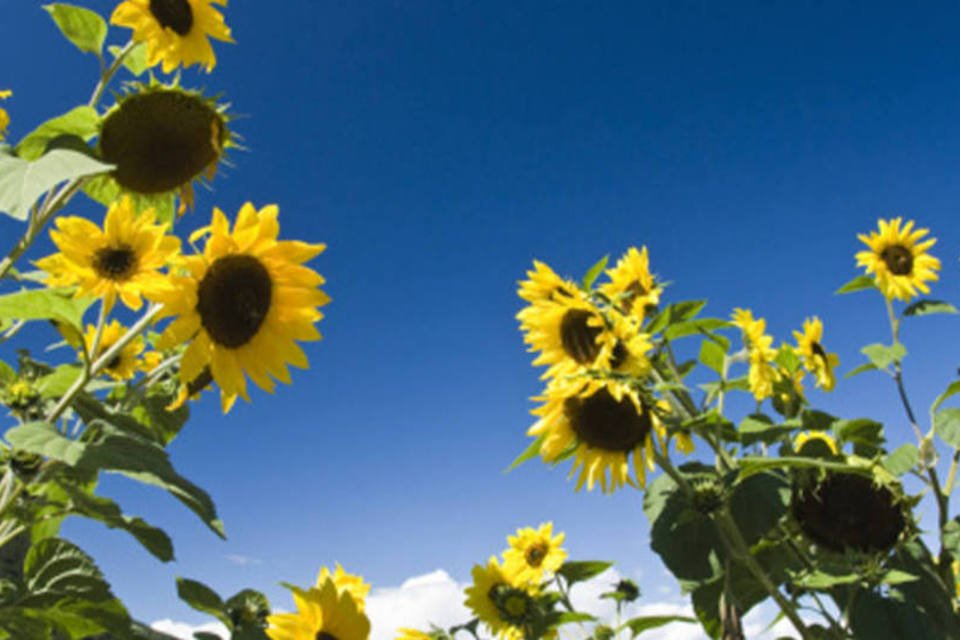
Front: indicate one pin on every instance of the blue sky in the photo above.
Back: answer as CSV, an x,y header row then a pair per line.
x,y
437,148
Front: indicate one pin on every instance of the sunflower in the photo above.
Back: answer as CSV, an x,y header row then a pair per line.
x,y
323,613
543,285
534,553
815,443
243,303
344,581
175,31
632,287
162,138
816,360
898,259
122,260
503,604
602,422
760,353
849,511
4,116
127,362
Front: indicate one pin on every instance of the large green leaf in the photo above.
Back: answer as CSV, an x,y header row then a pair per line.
x,y
928,307
83,122
758,503
882,356
712,355
760,428
579,571
947,424
902,459
84,28
23,182
44,304
952,389
699,326
645,623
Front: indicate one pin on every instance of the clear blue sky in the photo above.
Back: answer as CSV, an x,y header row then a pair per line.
x,y
438,147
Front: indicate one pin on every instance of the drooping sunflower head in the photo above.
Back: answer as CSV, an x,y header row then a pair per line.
x,y
844,511
244,303
122,260
815,358
344,581
162,138
632,287
818,444
534,553
4,116
604,423
127,362
501,602
898,259
175,32
323,613
544,285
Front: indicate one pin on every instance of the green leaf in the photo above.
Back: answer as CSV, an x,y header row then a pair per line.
x,y
675,313
694,327
895,576
23,182
924,307
573,616
57,383
203,599
820,580
866,435
882,356
787,358
103,189
645,623
815,420
760,428
594,272
43,439
951,390
712,355
752,465
861,369
44,304
83,122
893,618
858,284
7,374
578,571
135,60
530,452
946,422
84,28
758,503
902,459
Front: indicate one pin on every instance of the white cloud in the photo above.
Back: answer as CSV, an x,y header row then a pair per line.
x,y
241,561
186,631
432,598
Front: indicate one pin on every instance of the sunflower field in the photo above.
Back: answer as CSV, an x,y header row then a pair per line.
x,y
815,514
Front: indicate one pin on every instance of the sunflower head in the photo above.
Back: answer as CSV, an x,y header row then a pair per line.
x,y
505,605
127,362
4,116
175,32
162,138
323,613
243,304
849,511
344,581
632,287
815,358
817,444
760,353
898,259
122,260
543,285
534,553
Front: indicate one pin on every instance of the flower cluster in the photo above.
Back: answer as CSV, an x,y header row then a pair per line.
x,y
332,608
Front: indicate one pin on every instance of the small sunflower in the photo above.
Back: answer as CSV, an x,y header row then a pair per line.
x,y
122,260
503,604
344,581
4,116
849,511
175,31
816,360
603,422
244,303
127,362
568,333
543,285
534,553
632,287
898,259
815,443
760,353
323,613
162,138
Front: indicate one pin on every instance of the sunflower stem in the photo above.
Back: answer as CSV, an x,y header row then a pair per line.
x,y
98,335
107,76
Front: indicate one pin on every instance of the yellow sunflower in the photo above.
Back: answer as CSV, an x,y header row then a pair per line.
x,y
603,422
815,442
323,613
502,603
243,303
568,333
632,287
344,581
760,353
122,260
534,553
543,285
127,362
816,360
412,634
175,31
4,116
898,259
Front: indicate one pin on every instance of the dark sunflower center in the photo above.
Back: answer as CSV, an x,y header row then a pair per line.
x,y
323,635
536,554
848,511
233,299
160,140
819,352
174,14
579,339
512,604
619,355
899,259
114,362
115,263
603,423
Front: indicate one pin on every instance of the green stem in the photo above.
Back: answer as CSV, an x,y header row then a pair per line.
x,y
107,75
